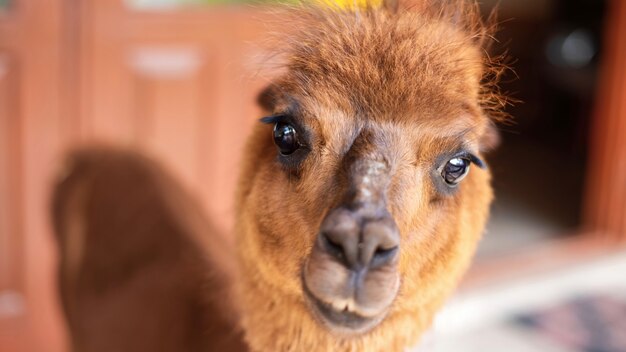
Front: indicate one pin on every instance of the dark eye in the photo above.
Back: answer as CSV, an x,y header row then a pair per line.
x,y
286,138
455,170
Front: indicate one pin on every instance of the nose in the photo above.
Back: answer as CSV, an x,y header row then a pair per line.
x,y
359,240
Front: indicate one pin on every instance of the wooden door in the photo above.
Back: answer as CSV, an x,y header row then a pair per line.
x,y
605,206
30,111
178,83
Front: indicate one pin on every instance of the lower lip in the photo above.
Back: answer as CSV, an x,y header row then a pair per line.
x,y
341,322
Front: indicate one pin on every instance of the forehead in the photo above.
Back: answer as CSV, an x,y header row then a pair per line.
x,y
410,67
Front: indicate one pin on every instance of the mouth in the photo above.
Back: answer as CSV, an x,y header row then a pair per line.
x,y
343,322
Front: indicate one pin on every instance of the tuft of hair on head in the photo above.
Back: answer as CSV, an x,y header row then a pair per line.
x,y
467,15
302,23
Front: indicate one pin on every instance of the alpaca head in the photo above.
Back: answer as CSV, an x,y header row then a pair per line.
x,y
364,190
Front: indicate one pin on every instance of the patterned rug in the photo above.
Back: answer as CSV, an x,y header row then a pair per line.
x,y
583,324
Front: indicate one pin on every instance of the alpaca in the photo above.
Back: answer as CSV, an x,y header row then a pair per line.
x,y
362,196
357,212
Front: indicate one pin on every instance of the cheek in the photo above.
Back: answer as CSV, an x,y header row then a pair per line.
x,y
286,226
409,203
270,232
439,238
406,199
476,202
421,222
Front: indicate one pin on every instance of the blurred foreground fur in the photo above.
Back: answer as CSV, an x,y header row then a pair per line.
x,y
141,268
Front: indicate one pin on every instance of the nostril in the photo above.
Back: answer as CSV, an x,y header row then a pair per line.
x,y
383,256
333,248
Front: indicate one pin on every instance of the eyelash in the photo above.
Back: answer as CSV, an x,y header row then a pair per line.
x,y
442,160
272,119
471,157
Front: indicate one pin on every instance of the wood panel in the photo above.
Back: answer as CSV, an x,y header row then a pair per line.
x,y
30,137
179,85
14,325
9,30
605,205
167,101
11,275
15,328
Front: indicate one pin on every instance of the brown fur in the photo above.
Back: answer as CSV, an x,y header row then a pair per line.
x,y
405,87
141,268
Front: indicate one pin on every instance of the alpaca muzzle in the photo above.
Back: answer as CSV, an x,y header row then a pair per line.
x,y
351,276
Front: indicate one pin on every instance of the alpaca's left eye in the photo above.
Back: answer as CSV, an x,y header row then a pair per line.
x,y
455,170
286,138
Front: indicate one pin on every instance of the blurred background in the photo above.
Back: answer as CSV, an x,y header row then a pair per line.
x,y
177,79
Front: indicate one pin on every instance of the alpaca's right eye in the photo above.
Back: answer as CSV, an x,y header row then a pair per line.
x,y
286,138
455,170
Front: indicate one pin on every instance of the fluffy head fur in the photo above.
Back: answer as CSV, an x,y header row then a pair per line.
x,y
409,88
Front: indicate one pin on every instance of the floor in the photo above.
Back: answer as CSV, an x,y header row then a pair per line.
x,y
488,319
